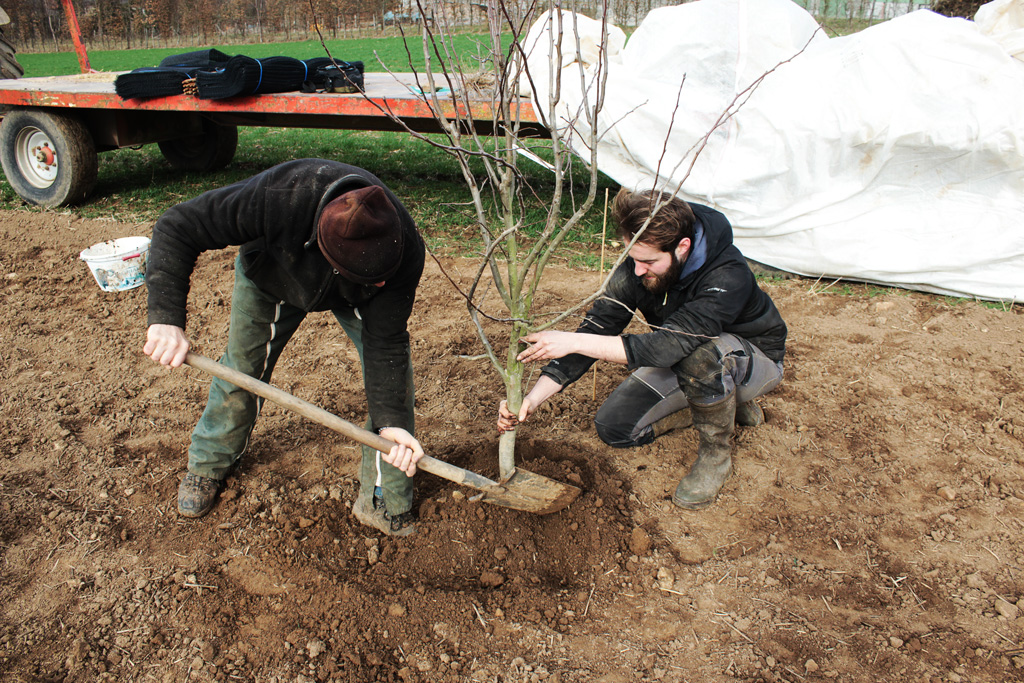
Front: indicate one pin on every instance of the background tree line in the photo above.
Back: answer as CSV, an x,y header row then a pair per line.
x,y
41,26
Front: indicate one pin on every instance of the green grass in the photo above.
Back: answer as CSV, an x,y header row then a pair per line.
x,y
843,287
851,288
137,185
377,54
841,26
1002,306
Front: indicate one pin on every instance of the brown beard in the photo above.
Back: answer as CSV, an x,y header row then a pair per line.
x,y
659,284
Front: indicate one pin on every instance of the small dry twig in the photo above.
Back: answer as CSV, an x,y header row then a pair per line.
x,y
478,615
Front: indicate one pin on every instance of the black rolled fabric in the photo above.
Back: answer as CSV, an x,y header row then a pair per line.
x,y
337,76
243,75
313,65
218,76
168,78
152,82
238,76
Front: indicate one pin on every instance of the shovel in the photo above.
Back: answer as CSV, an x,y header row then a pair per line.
x,y
522,491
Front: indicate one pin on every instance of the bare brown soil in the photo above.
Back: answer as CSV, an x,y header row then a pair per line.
x,y
872,531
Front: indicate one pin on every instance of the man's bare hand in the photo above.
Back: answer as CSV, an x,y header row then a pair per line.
x,y
166,344
507,420
406,453
544,389
548,345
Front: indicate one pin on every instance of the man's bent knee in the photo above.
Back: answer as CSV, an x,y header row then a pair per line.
x,y
620,435
702,374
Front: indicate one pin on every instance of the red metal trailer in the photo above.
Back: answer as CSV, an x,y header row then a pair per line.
x,y
54,127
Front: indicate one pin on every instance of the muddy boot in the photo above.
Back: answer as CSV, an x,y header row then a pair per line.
x,y
749,414
715,425
370,510
681,419
196,495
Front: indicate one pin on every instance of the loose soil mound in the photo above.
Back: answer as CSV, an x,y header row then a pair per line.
x,y
872,530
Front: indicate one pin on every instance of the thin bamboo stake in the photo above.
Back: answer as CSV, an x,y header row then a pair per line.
x,y
604,232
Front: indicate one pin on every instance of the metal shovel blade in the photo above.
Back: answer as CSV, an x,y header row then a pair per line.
x,y
525,490
522,491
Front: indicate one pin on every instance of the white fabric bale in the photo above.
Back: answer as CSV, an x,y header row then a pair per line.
x,y
894,155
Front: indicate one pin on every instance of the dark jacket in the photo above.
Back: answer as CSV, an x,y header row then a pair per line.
x,y
716,293
273,216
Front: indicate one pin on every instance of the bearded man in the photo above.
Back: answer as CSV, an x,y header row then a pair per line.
x,y
715,342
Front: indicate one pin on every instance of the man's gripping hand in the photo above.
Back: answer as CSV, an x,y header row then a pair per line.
x,y
166,344
407,451
544,389
507,420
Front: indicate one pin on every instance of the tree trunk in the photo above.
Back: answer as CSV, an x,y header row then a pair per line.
x,y
507,443
514,399
506,456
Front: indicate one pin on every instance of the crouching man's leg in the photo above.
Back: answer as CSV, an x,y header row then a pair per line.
x,y
260,328
716,378
649,403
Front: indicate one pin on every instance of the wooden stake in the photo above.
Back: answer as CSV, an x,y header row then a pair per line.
x,y
604,232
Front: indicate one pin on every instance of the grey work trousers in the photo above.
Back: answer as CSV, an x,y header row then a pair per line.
x,y
625,419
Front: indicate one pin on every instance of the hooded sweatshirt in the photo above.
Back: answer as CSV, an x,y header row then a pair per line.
x,y
273,217
716,293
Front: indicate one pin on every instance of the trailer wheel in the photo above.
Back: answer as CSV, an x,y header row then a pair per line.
x,y
9,65
49,159
211,150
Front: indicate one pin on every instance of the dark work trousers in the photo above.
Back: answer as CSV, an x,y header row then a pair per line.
x,y
260,327
649,394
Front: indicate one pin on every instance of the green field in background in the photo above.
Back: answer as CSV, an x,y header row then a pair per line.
x,y
377,54
137,185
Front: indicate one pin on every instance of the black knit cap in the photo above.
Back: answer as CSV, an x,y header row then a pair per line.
x,y
360,234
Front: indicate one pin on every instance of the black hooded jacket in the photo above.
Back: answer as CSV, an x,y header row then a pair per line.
x,y
716,293
273,217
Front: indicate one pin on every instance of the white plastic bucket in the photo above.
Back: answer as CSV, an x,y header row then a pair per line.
x,y
118,264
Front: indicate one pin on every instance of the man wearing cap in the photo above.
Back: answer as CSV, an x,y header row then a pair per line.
x,y
314,235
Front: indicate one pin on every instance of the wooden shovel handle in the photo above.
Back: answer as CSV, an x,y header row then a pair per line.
x,y
332,421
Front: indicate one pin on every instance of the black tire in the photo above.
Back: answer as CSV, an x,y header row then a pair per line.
x,y
9,66
49,159
211,150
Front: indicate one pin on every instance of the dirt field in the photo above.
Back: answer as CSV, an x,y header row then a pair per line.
x,y
872,531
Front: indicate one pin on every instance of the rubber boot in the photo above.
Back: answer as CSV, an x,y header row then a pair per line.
x,y
749,414
681,419
715,425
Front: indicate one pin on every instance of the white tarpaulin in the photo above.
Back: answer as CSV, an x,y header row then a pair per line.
x,y
894,155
